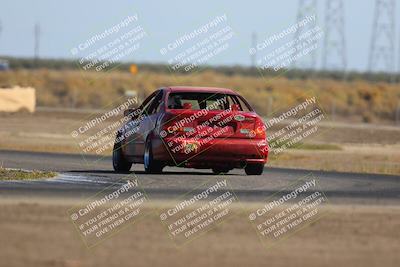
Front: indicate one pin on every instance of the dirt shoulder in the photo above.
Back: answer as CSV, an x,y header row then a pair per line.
x,y
346,236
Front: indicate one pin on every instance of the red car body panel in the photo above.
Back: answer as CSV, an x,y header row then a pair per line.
x,y
241,138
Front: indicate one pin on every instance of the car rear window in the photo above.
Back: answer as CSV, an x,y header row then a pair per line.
x,y
210,101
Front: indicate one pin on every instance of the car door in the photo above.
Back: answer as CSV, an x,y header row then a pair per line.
x,y
148,124
133,138
141,128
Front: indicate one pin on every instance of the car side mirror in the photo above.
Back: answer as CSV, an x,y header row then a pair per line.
x,y
131,112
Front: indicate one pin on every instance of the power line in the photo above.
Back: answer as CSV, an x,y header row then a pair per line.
x,y
334,55
382,50
307,8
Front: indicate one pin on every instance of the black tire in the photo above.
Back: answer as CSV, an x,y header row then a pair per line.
x,y
220,170
151,165
254,169
120,163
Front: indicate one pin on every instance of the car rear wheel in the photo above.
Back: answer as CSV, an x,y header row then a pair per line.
x,y
120,163
151,165
254,169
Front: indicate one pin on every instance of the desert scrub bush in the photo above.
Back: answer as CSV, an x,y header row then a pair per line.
x,y
74,88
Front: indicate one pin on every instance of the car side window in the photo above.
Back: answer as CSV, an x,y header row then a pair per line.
x,y
159,106
230,101
156,103
146,105
243,105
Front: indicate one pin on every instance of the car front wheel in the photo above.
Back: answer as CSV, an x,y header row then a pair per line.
x,y
120,163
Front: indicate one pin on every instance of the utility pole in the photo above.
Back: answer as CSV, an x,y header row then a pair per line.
x,y
307,8
382,50
334,55
36,33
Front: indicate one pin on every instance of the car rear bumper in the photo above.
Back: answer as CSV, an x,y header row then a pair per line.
x,y
234,152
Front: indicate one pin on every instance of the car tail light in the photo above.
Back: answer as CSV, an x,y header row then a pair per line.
x,y
260,129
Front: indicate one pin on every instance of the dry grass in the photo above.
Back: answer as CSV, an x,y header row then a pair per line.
x,y
359,100
8,174
346,160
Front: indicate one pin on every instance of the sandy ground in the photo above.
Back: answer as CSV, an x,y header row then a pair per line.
x,y
39,233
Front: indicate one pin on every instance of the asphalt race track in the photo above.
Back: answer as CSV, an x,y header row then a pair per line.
x,y
82,177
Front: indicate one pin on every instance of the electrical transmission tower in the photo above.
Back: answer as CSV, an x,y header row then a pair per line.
x,y
36,42
382,51
334,55
307,9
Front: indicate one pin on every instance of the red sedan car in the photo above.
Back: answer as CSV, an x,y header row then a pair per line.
x,y
193,127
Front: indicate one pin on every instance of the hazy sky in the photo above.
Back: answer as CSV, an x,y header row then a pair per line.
x,y
64,24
